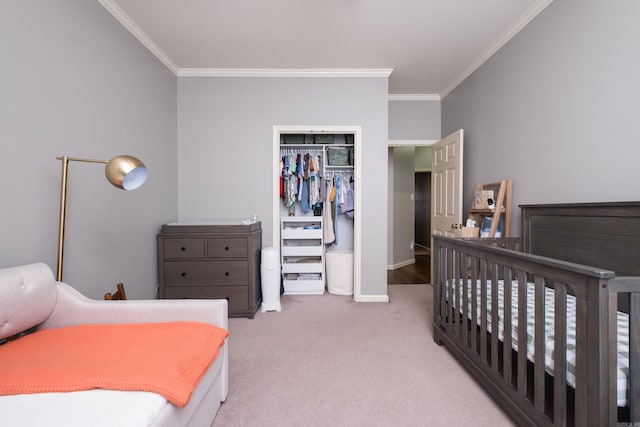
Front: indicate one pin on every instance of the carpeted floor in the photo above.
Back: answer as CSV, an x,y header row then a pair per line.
x,y
329,361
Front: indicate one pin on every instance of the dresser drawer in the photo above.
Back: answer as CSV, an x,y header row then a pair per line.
x,y
238,297
211,273
227,247
183,248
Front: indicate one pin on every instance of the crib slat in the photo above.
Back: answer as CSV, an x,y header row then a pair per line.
x,y
483,310
455,300
581,363
451,308
464,282
522,333
612,357
539,345
634,357
493,274
560,355
437,285
474,305
446,284
506,350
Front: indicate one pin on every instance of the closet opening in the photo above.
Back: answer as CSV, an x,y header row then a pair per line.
x,y
307,227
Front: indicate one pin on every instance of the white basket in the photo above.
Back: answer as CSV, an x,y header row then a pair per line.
x,y
339,266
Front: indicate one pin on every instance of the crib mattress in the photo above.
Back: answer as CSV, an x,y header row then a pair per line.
x,y
623,330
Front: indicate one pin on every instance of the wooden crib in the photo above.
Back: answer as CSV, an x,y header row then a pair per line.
x,y
568,285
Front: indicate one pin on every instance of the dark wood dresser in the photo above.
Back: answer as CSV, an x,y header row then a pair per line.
x,y
210,261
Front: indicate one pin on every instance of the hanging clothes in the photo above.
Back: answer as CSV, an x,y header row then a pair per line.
x,y
329,236
337,202
303,181
344,188
304,197
349,211
314,182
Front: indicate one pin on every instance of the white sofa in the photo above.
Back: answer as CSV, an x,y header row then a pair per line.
x,y
30,297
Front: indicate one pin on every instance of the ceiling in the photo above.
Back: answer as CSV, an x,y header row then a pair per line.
x,y
427,46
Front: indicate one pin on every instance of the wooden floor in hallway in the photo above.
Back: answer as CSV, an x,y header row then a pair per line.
x,y
417,273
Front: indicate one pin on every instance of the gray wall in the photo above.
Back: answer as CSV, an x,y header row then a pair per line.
x,y
423,159
409,121
555,110
414,120
403,204
75,82
225,128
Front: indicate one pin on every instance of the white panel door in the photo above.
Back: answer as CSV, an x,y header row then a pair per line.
x,y
446,183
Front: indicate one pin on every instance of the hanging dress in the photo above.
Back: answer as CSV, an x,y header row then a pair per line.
x,y
329,236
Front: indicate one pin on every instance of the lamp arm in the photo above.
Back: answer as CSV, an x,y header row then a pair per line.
x,y
124,172
80,159
63,206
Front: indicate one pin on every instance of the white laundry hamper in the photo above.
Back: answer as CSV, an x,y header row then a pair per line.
x,y
339,265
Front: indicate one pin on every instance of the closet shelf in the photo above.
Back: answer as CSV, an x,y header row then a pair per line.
x,y
302,254
488,211
300,233
302,250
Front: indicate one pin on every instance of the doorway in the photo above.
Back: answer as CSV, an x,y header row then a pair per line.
x,y
409,236
422,238
356,131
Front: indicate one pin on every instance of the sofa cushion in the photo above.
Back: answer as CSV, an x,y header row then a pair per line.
x,y
27,297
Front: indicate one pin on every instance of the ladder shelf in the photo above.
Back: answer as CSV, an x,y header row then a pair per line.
x,y
484,206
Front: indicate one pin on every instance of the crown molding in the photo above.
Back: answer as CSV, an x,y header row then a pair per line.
x,y
414,97
411,142
124,19
284,72
514,29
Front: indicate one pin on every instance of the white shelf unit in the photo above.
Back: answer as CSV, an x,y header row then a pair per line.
x,y
325,148
302,255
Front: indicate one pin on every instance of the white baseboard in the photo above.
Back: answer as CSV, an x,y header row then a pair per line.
x,y
373,298
401,264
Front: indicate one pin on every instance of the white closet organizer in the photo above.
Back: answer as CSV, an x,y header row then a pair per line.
x,y
302,253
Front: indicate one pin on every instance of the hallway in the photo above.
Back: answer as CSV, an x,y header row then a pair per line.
x,y
417,273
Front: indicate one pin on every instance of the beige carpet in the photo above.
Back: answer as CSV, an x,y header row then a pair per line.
x,y
328,361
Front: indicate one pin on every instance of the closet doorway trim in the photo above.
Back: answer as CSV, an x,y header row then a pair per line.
x,y
357,220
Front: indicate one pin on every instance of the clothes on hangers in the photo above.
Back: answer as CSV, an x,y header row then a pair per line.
x,y
301,179
328,193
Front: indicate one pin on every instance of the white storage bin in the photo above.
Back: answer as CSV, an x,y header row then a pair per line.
x,y
339,266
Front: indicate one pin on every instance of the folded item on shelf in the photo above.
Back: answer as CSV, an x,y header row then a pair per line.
x,y
309,276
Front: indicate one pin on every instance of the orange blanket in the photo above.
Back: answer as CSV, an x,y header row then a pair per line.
x,y
165,358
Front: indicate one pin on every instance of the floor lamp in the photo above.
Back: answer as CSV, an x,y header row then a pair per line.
x,y
124,172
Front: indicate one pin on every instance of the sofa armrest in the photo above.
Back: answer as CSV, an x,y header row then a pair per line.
x,y
73,308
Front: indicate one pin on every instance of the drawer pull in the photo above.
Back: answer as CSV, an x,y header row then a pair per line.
x,y
226,248
226,274
183,274
183,249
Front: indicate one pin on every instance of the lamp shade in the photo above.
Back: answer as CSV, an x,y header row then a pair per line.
x,y
126,172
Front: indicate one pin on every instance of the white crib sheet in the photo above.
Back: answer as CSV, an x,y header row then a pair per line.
x,y
623,330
